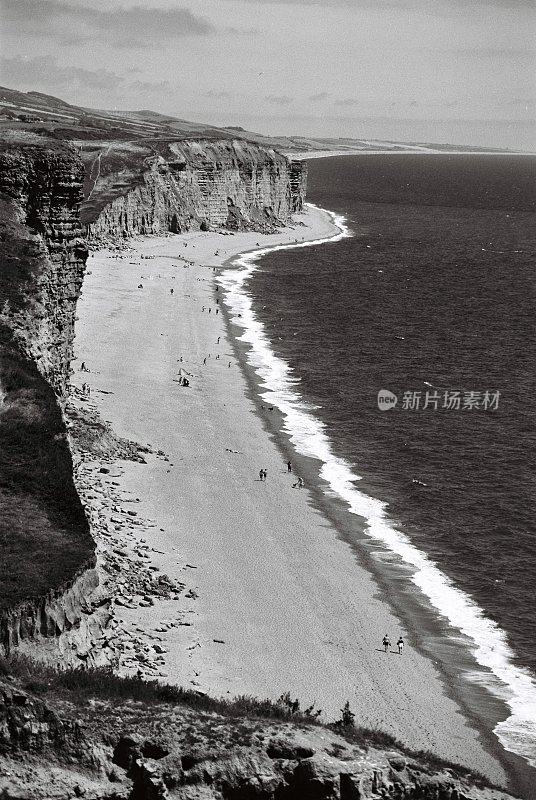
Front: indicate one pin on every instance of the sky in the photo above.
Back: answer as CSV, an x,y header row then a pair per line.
x,y
452,71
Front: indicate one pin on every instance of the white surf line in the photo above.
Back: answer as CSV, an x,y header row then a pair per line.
x,y
511,684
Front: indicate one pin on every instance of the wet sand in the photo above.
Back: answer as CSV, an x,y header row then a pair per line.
x,y
272,599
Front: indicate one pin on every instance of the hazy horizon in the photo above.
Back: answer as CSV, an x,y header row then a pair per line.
x,y
445,71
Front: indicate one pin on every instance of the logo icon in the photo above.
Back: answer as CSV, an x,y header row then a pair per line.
x,y
386,400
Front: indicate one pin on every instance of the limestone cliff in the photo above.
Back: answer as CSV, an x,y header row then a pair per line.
x,y
190,185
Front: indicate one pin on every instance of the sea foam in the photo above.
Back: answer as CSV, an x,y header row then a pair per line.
x,y
308,435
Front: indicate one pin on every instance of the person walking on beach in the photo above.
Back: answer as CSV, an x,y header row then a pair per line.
x,y
261,474
218,340
301,483
289,466
400,645
386,643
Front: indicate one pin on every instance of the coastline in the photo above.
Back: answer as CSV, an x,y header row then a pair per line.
x,y
305,156
335,618
477,664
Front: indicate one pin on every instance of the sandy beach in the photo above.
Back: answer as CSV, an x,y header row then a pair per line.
x,y
267,597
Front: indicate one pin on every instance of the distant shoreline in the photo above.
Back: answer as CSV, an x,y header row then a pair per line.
x,y
305,156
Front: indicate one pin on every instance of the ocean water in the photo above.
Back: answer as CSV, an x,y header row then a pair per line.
x,y
429,288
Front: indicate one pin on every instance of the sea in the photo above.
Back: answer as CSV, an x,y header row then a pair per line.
x,y
402,356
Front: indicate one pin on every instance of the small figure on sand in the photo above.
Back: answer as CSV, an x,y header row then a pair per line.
x,y
217,311
400,645
83,367
229,365
262,474
204,361
209,310
171,291
140,285
289,466
218,341
300,483
203,308
386,642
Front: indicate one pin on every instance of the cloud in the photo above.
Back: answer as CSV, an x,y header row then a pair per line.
x,y
128,26
494,52
528,103
350,3
402,4
218,95
44,73
150,86
316,98
278,100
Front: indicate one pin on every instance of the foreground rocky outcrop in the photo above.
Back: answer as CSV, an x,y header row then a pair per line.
x,y
98,749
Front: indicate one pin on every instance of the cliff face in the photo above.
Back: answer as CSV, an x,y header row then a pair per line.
x,y
192,185
51,615
44,253
45,541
